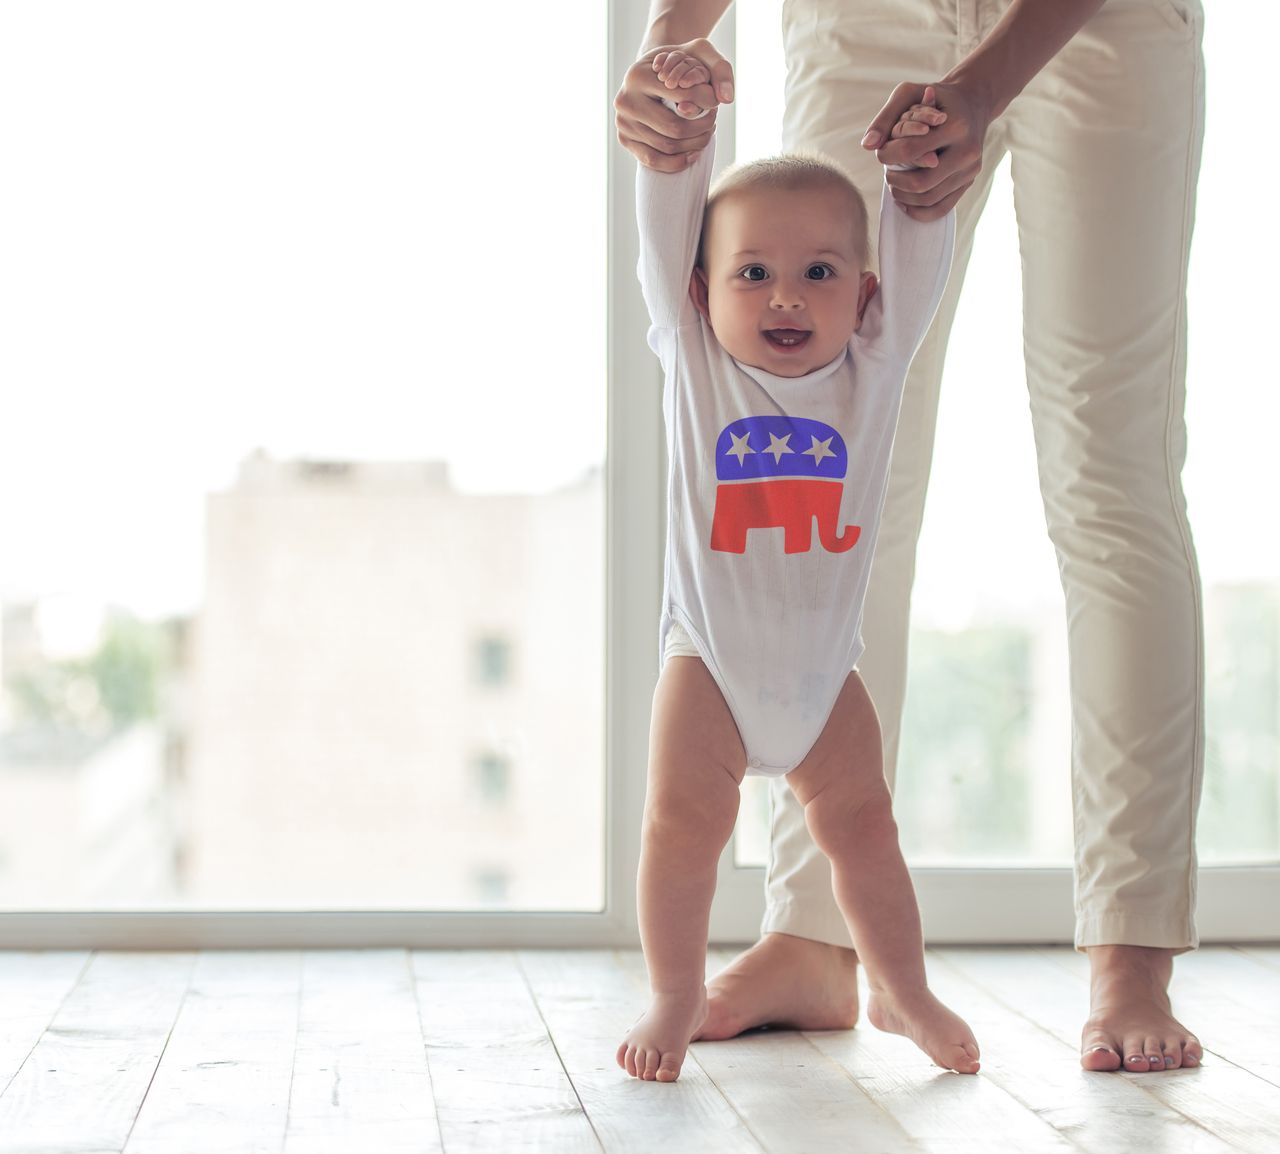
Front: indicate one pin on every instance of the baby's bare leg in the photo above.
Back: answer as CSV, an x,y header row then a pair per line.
x,y
696,765
849,812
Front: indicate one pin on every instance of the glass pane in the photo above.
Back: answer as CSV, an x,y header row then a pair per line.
x,y
301,569
983,774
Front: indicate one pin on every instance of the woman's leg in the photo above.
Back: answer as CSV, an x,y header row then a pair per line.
x,y
1105,147
839,74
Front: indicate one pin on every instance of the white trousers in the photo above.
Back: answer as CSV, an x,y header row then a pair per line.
x,y
1105,152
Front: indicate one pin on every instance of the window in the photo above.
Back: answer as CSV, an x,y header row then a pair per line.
x,y
493,661
490,886
492,777
301,484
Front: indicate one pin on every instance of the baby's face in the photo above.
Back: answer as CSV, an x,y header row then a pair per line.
x,y
784,287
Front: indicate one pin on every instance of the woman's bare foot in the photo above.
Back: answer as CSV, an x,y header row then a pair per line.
x,y
655,1046
786,981
939,1032
1131,1024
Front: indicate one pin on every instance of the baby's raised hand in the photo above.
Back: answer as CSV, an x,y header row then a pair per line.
x,y
919,120
678,69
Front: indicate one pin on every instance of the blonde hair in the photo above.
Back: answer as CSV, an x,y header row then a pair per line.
x,y
792,171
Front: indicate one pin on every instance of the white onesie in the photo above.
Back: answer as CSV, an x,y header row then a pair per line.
x,y
773,607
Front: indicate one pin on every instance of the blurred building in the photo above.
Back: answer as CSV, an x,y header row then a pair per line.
x,y
397,694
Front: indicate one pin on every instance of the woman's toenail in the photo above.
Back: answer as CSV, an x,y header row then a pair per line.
x,y
1136,1058
1168,1059
1103,1049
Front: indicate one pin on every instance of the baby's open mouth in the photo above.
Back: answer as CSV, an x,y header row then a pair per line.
x,y
787,338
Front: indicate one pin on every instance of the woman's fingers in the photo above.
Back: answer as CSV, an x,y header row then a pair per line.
x,y
660,161
945,160
936,211
656,136
929,188
668,146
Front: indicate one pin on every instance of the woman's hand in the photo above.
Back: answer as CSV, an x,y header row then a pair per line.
x,y
947,159
659,138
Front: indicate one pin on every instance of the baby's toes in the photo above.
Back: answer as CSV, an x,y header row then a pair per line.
x,y
669,1068
961,1057
630,1066
649,1067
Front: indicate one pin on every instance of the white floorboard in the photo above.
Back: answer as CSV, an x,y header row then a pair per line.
x,y
360,1076
34,986
82,1085
223,1082
495,1072
387,1050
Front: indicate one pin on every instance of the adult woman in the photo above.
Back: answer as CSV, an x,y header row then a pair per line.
x,y
1102,109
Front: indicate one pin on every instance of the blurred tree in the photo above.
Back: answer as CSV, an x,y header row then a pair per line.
x,y
114,687
962,786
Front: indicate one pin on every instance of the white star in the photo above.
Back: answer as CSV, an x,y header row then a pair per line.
x,y
820,449
740,447
778,446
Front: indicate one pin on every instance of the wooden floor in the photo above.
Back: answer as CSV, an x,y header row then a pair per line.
x,y
383,1051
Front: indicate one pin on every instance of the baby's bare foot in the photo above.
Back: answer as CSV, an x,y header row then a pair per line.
x,y
939,1032
655,1047
784,981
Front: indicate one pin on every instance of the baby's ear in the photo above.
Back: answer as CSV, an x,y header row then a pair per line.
x,y
698,292
866,290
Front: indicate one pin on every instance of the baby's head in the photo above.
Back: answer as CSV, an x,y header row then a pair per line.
x,y
784,246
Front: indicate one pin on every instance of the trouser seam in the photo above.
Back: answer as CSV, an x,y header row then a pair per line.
x,y
1197,734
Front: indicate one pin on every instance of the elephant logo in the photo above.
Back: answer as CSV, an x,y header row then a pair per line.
x,y
787,482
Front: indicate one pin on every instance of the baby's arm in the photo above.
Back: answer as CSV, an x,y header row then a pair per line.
x,y
669,206
915,256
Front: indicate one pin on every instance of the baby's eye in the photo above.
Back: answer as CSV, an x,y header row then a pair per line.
x,y
752,269
825,271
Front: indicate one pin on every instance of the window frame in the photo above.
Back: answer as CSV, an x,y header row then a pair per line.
x,y
958,904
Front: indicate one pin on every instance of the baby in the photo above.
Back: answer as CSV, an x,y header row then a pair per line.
x,y
784,361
